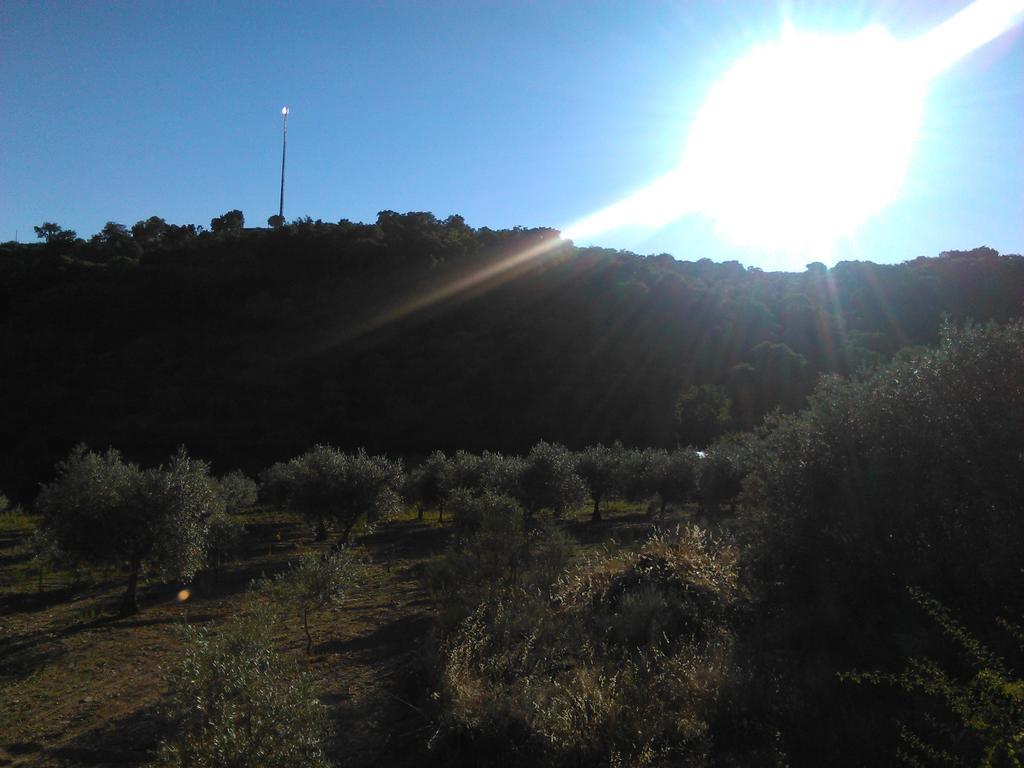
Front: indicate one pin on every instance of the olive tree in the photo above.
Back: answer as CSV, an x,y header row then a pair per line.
x,y
226,532
238,491
671,476
275,482
102,510
720,474
427,485
466,471
500,473
599,466
329,485
549,480
634,473
313,583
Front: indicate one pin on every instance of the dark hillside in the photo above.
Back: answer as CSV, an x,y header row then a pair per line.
x,y
413,333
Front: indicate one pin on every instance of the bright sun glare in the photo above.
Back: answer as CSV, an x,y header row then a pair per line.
x,y
806,137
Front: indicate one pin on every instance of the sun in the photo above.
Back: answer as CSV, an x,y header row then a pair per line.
x,y
805,138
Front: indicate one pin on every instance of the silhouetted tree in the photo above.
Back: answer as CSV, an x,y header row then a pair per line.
x,y
702,412
150,232
230,223
53,233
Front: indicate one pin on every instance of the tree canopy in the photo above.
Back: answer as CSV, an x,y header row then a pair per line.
x,y
248,345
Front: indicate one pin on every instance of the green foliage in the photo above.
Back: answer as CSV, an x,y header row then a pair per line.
x,y
609,342
671,475
702,412
315,582
466,471
276,483
178,499
226,533
86,508
46,554
328,485
981,720
486,558
237,702
634,473
487,472
600,468
501,474
238,492
101,510
427,485
225,538
720,473
910,475
549,481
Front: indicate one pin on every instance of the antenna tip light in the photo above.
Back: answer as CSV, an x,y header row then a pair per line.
x,y
284,110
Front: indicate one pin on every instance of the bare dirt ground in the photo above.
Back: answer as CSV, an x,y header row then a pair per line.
x,y
79,687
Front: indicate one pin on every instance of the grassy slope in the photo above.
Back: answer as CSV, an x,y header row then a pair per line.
x,y
79,687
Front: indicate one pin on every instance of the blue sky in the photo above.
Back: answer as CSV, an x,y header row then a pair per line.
x,y
530,114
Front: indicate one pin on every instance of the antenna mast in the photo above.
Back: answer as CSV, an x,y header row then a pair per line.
x,y
284,149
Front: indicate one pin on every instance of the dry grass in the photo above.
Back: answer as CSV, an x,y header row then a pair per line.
x,y
81,687
621,663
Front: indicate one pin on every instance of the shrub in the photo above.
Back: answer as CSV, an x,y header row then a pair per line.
x,y
909,476
312,584
975,717
677,586
235,701
486,557
620,664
